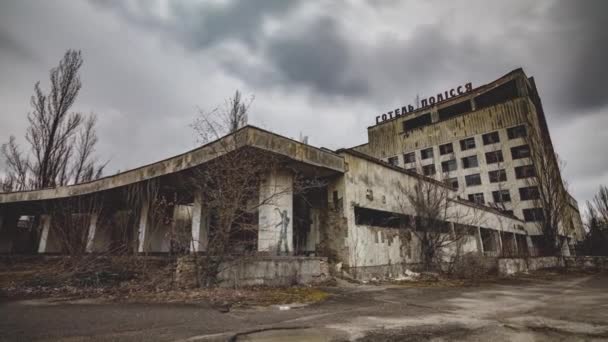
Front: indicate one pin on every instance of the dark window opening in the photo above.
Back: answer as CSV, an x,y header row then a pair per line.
x,y
533,214
494,157
455,109
380,218
490,138
471,161
472,180
446,149
428,170
426,153
497,95
449,165
501,196
477,198
516,132
529,193
467,144
453,182
419,121
409,157
393,161
525,171
412,169
519,152
497,176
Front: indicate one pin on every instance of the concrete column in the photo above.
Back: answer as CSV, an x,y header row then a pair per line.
x,y
479,241
49,242
143,227
499,240
200,225
515,247
92,232
275,219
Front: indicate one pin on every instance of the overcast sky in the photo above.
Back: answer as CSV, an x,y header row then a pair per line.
x,y
323,68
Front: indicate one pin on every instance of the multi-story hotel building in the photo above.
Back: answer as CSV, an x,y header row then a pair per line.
x,y
475,140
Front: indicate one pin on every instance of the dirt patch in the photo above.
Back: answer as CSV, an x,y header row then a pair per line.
x,y
131,279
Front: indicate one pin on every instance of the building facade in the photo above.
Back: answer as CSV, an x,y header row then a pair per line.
x,y
478,143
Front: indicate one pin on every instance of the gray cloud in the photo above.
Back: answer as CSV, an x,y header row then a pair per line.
x,y
583,36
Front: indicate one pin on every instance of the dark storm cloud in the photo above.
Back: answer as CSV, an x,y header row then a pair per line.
x,y
199,25
583,35
320,58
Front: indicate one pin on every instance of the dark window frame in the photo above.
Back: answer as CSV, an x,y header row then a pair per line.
x,y
427,153
494,157
490,138
515,132
468,178
408,156
393,160
429,166
475,198
525,171
501,196
465,144
445,165
446,149
467,162
498,173
517,152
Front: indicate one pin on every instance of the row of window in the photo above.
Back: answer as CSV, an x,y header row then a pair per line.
x,y
465,144
504,196
496,176
492,157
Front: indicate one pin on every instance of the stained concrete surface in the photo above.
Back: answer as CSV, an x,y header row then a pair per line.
x,y
573,308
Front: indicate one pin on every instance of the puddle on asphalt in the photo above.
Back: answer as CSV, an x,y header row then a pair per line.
x,y
278,335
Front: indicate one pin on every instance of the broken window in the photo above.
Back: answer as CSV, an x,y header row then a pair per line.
x,y
428,170
497,176
474,179
502,93
393,161
419,121
409,157
516,132
470,161
519,152
446,149
380,218
455,109
453,182
477,198
426,153
529,193
533,214
449,165
501,196
494,157
490,138
467,144
525,171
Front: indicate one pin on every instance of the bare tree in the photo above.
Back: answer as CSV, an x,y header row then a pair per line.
x,y
435,215
547,189
234,187
596,238
52,134
223,120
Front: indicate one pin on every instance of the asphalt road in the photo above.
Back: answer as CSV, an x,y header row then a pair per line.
x,y
573,308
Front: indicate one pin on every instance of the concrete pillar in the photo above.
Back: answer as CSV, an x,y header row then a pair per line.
x,y
499,243
531,248
49,241
479,241
275,219
200,225
143,227
92,232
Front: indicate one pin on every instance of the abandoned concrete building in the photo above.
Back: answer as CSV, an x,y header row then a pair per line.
x,y
355,212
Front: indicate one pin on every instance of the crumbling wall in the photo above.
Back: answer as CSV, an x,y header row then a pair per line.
x,y
266,271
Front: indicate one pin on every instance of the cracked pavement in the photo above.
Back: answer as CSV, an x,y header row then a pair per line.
x,y
571,308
